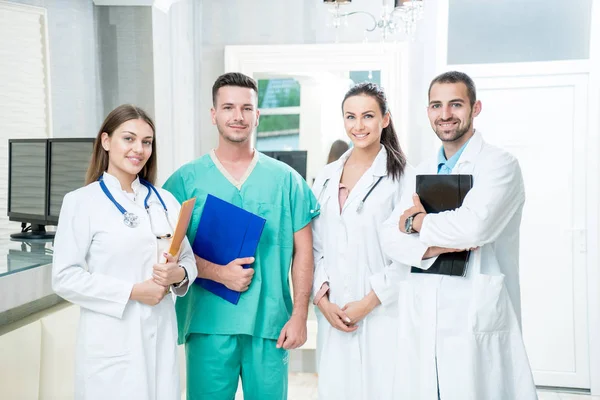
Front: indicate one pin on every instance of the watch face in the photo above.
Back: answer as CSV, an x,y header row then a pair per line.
x,y
408,224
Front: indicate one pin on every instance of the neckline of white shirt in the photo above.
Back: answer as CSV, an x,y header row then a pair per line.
x,y
112,182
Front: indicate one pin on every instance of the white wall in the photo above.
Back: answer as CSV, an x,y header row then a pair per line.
x,y
100,57
76,99
125,56
230,22
518,31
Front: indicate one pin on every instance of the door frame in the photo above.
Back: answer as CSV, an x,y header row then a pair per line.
x,y
312,60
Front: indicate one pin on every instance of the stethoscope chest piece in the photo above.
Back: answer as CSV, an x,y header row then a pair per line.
x,y
130,219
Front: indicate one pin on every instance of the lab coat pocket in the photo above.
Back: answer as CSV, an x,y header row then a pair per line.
x,y
105,336
488,311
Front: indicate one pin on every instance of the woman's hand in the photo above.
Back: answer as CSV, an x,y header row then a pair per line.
x,y
358,310
168,273
335,316
148,292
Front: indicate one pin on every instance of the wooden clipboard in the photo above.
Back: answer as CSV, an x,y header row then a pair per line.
x,y
183,221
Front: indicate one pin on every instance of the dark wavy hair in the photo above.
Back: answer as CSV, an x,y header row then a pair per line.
x,y
396,160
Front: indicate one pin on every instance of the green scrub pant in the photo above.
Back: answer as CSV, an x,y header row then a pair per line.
x,y
216,362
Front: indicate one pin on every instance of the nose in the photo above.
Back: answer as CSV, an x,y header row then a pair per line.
x,y
446,113
359,124
138,147
238,115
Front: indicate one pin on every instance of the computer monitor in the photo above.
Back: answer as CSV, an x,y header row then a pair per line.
x,y
27,182
41,172
68,163
294,158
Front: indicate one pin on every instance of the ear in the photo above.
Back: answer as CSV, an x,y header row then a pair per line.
x,y
105,140
257,117
476,108
213,115
386,119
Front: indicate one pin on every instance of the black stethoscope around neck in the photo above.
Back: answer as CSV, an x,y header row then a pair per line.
x,y
360,205
130,219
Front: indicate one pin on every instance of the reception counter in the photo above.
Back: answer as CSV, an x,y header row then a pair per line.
x,y
25,279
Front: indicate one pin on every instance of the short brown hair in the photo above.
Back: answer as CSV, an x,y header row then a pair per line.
x,y
118,116
233,79
456,77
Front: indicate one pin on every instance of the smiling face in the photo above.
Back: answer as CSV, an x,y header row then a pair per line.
x,y
129,148
235,113
450,113
364,121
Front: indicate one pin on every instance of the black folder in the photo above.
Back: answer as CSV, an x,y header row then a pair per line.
x,y
444,193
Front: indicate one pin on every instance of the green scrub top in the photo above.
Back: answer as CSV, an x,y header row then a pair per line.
x,y
277,193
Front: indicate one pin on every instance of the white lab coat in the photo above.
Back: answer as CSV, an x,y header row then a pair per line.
x,y
348,255
125,349
470,325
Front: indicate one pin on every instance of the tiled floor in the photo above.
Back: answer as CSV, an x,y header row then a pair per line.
x,y
303,386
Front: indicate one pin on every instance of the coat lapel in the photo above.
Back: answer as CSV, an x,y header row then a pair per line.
x,y
369,178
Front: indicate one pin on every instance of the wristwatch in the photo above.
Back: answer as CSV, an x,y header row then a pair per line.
x,y
184,281
408,224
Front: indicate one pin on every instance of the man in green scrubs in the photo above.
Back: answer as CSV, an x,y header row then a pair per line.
x,y
251,339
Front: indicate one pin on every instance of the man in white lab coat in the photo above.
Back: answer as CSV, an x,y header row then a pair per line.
x,y
460,337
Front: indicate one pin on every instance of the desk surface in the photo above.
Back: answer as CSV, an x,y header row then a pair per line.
x,y
21,255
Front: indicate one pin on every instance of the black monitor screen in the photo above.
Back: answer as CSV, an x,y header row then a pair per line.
x,y
27,188
69,160
294,158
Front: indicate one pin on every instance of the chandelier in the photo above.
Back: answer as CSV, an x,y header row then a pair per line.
x,y
403,17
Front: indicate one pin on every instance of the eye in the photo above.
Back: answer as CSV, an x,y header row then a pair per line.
x,y
349,116
249,109
226,107
128,138
147,142
434,106
369,116
456,105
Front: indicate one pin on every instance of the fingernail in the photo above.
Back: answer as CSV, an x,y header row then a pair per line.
x,y
347,319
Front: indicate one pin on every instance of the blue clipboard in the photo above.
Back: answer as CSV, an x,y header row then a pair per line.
x,y
225,232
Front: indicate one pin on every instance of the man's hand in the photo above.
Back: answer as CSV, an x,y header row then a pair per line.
x,y
293,334
168,273
415,209
235,276
335,316
357,310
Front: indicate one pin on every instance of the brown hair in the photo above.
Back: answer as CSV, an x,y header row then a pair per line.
x,y
457,77
396,160
233,79
338,148
99,161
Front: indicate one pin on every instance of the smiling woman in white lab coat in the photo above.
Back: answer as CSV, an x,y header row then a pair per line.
x,y
110,236
355,284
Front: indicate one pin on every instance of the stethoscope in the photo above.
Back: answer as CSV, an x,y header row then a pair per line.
x,y
360,205
130,219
